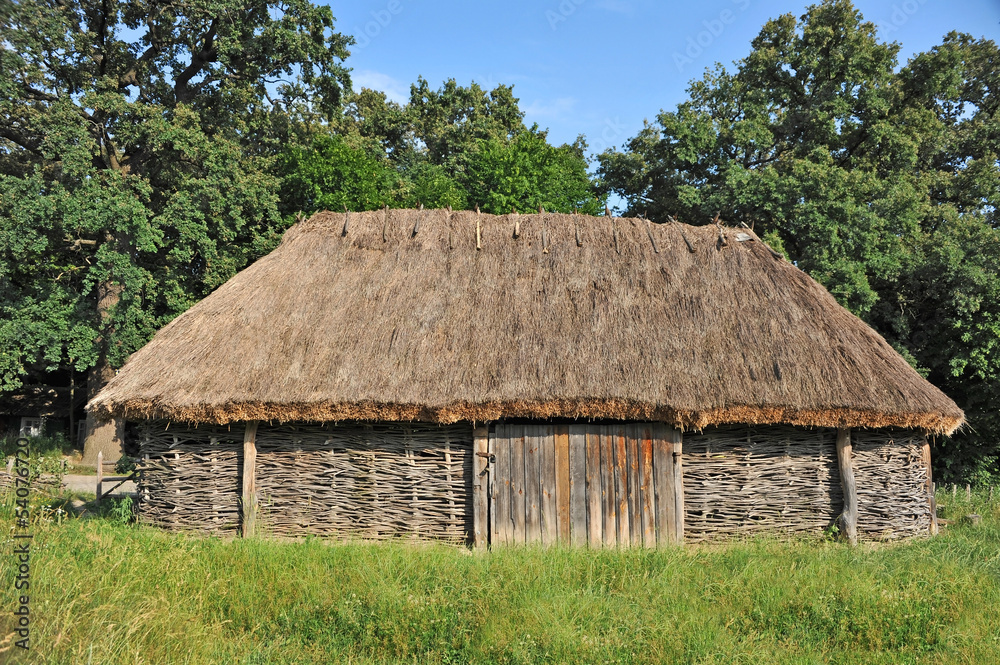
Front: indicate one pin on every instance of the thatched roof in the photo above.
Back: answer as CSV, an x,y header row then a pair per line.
x,y
398,316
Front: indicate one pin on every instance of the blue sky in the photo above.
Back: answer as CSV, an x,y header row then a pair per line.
x,y
599,67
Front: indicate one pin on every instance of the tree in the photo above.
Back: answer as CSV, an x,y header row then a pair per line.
x,y
456,146
526,173
137,174
331,174
871,179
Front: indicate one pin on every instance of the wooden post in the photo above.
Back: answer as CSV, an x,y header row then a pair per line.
x,y
250,479
678,439
849,518
932,502
100,474
480,480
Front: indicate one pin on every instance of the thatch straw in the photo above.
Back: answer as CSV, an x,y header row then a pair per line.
x,y
384,324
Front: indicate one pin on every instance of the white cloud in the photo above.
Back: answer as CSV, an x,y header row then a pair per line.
x,y
556,109
395,90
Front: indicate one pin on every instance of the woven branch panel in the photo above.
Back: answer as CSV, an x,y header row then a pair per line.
x,y
891,476
341,481
366,482
743,481
189,479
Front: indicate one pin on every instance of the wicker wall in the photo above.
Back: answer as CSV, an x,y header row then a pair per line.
x,y
891,476
744,481
189,479
342,481
383,481
784,481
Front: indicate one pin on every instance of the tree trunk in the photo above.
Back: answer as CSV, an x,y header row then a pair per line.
x,y
103,436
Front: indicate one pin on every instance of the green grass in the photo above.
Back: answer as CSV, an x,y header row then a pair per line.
x,y
104,592
40,446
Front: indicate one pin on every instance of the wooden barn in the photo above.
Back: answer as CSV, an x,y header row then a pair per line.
x,y
548,378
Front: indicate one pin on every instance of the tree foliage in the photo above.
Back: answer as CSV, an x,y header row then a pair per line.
x,y
137,142
880,182
456,146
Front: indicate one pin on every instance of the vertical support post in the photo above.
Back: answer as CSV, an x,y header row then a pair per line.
x,y
250,479
678,444
480,486
931,501
848,518
100,474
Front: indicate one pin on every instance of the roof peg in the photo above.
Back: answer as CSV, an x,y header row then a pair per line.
x,y
614,234
385,224
479,233
517,224
576,228
420,206
416,226
722,242
776,254
347,221
541,210
652,240
687,241
607,211
545,239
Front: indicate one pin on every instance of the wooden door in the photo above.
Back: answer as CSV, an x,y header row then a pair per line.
x,y
596,485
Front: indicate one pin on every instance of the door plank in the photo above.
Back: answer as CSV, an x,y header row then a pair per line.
x,y
578,484
563,498
595,488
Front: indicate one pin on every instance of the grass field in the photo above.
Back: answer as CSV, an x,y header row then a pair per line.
x,y
106,592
